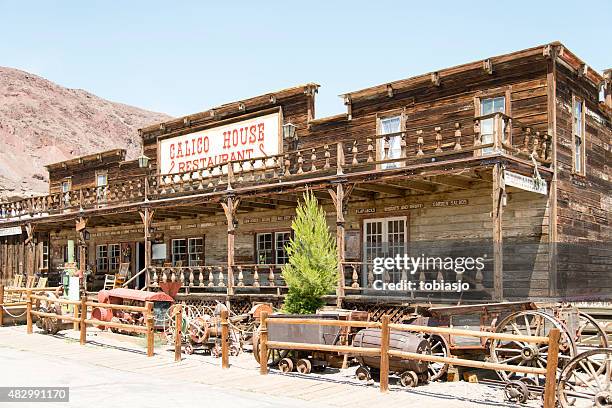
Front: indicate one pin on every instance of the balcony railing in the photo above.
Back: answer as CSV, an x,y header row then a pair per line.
x,y
417,145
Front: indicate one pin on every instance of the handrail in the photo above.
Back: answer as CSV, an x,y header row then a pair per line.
x,y
143,270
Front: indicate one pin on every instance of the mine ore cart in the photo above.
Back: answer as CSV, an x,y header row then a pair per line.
x,y
52,325
124,296
302,360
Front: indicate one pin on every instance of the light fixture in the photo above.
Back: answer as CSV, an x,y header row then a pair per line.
x,y
143,161
289,131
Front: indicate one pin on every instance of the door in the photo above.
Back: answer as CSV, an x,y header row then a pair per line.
x,y
384,238
140,264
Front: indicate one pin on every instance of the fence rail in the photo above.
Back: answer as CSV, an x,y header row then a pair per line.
x,y
384,352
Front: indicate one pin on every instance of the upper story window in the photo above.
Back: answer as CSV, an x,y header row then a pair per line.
x,y
578,145
66,185
487,126
390,126
101,179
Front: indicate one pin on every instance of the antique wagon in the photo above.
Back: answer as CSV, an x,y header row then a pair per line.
x,y
123,296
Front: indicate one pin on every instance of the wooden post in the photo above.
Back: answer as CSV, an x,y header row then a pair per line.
x,y
497,215
83,316
150,329
178,336
29,312
384,354
224,339
339,198
263,344
1,304
75,313
30,249
340,158
147,217
551,368
551,95
229,209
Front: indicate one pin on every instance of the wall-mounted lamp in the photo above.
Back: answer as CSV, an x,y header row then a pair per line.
x,y
289,131
143,161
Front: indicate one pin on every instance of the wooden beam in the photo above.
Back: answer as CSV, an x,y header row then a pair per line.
x,y
383,188
146,215
229,208
339,201
551,97
425,187
497,215
451,182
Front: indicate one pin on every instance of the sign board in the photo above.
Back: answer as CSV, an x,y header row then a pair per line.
x,y
524,182
5,232
253,138
158,251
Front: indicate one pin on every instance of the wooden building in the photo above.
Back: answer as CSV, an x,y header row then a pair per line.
x,y
508,158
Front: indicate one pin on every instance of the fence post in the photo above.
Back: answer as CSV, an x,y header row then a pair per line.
x,y
1,304
29,311
75,324
150,329
224,339
384,354
178,336
83,316
551,368
263,344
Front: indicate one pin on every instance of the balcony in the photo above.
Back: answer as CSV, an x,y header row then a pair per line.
x,y
366,158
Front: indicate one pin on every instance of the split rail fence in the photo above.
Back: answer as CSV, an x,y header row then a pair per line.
x,y
384,352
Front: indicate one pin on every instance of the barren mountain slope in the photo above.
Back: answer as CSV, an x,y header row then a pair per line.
x,y
42,123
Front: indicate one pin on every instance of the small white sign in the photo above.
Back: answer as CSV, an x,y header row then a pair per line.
x,y
5,232
525,183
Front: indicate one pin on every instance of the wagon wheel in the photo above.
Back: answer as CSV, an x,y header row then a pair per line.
x,y
439,347
274,355
516,391
519,353
586,380
170,324
590,333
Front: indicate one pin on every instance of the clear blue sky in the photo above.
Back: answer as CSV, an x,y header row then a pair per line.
x,y
184,57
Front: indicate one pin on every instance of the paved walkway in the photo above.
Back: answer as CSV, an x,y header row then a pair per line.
x,y
110,371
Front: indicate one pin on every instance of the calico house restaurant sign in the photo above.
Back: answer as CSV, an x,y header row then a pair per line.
x,y
248,139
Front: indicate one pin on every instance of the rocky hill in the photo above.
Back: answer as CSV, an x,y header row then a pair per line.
x,y
42,123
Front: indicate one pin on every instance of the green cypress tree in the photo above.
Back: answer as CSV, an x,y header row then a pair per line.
x,y
312,270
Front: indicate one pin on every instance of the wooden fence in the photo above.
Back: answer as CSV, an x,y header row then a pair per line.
x,y
15,298
385,353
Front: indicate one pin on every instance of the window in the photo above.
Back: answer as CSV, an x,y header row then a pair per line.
x,y
66,185
179,252
578,146
487,126
101,179
390,126
45,255
102,258
384,237
264,252
114,253
196,251
281,241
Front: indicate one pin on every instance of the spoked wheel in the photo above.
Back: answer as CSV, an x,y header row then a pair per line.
x,y
439,347
274,355
363,373
516,391
586,380
590,333
519,353
409,379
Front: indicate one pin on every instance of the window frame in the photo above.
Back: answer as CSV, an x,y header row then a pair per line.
x,y
580,171
66,181
273,246
506,93
185,255
190,253
396,113
112,258
44,255
102,173
99,258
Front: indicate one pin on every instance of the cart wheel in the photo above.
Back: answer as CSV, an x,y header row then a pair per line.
x,y
530,382
363,374
440,348
286,365
409,379
274,355
585,381
590,333
304,366
516,391
189,349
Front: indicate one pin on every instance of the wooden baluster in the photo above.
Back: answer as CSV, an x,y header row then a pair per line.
x,y
173,275
220,180
370,150
386,147
191,277
240,171
477,139
211,278
457,136
525,148
354,152
313,160
155,277
419,143
271,278
536,144
300,161
287,165
201,278
438,130
182,277
355,283
164,276
275,167
221,278
478,279
240,277
256,277
327,165
370,276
